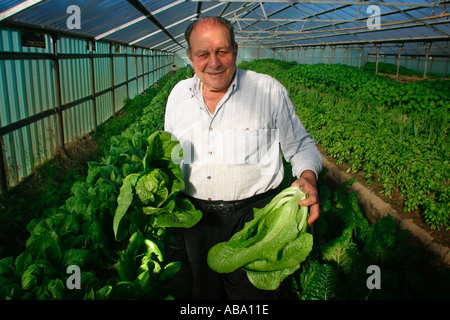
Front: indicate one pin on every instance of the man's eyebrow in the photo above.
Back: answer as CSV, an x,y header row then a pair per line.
x,y
199,51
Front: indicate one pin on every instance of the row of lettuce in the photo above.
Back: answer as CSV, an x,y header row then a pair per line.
x,y
96,247
110,239
396,133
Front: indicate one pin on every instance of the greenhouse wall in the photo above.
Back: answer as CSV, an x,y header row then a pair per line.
x,y
310,55
42,109
439,65
245,53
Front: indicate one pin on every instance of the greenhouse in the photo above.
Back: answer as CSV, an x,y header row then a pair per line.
x,y
107,194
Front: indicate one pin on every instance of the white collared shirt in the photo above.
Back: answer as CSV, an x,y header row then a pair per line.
x,y
236,152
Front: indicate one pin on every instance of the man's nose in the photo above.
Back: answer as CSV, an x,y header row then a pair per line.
x,y
214,61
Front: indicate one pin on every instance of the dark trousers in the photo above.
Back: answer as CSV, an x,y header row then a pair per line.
x,y
218,225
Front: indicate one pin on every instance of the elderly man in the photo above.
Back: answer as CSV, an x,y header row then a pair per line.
x,y
234,126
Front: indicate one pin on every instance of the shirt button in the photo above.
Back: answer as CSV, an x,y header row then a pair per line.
x,y
208,177
210,152
210,129
209,199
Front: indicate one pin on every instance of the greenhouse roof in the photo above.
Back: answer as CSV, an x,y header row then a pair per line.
x,y
415,26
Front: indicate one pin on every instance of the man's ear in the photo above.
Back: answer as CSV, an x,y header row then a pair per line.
x,y
188,53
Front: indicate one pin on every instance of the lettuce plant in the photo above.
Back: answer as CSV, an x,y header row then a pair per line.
x,y
271,246
150,198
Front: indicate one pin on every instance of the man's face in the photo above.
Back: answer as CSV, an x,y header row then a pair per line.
x,y
212,56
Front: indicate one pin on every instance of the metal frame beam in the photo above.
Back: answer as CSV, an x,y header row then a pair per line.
x,y
340,2
134,21
18,8
142,9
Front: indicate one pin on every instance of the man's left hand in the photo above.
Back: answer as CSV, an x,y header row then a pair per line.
x,y
307,182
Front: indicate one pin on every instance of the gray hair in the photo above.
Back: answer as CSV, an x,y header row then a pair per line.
x,y
224,22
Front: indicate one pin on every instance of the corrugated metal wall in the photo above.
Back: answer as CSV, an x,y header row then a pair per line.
x,y
439,65
310,55
350,56
353,56
30,89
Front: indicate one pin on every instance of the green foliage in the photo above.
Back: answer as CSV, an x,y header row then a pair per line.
x,y
271,246
319,282
149,199
345,245
80,232
396,133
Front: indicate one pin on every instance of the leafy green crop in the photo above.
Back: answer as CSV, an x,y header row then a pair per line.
x,y
396,133
81,232
149,198
271,246
345,245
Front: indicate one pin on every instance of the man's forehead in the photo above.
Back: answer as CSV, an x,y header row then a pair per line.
x,y
203,27
210,37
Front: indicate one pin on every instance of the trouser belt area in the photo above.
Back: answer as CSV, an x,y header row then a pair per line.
x,y
228,207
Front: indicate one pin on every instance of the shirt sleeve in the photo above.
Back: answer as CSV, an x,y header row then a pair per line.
x,y
172,102
297,145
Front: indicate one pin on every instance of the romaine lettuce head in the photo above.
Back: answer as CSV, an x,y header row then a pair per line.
x,y
153,188
152,196
271,246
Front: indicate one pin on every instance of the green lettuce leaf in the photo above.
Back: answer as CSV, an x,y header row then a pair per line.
x,y
151,197
271,246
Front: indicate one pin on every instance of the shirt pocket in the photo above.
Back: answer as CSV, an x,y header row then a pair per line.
x,y
247,146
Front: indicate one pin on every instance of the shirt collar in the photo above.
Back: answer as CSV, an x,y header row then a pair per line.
x,y
196,87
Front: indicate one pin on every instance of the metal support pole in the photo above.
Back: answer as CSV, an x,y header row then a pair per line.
x,y
57,83
425,67
3,180
150,74
153,68
136,70
94,100
143,70
378,58
333,53
113,93
398,64
126,70
360,55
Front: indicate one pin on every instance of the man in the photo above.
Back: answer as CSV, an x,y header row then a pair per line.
x,y
234,127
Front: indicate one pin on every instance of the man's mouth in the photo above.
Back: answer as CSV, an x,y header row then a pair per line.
x,y
215,74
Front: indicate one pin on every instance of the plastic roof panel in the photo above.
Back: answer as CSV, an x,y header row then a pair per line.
x,y
276,23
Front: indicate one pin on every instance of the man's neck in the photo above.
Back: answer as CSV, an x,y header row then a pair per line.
x,y
212,98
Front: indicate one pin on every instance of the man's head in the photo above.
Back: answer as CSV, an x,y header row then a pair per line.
x,y
212,51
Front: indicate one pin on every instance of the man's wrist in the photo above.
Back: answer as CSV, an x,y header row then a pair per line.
x,y
309,176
